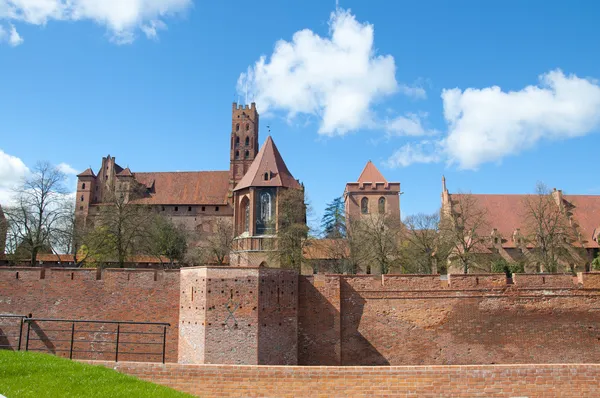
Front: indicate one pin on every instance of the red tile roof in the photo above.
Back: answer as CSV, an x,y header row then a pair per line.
x,y
269,161
87,173
371,174
185,188
506,213
125,172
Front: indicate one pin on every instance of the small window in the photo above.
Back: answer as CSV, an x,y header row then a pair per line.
x,y
237,154
106,177
189,208
237,127
247,141
266,177
246,154
381,205
217,208
176,208
364,206
82,198
83,186
162,208
203,208
247,128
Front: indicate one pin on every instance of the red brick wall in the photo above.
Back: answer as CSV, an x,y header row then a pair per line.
x,y
406,321
577,380
128,295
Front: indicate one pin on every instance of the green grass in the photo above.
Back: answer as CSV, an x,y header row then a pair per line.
x,y
28,374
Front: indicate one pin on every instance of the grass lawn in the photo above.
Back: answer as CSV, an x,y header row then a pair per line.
x,y
28,374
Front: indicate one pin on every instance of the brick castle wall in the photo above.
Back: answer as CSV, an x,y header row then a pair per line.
x,y
408,320
229,315
420,381
126,295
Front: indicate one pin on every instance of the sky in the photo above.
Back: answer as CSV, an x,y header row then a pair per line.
x,y
495,95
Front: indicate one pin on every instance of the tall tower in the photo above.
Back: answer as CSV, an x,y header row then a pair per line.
x,y
244,142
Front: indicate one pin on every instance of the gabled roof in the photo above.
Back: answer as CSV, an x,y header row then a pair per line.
x,y
508,212
125,173
87,173
268,161
371,174
185,188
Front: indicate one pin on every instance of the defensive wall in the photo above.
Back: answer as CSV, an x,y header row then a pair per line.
x,y
550,380
262,316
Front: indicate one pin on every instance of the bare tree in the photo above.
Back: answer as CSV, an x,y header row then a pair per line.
x,y
426,247
218,242
34,222
122,226
377,239
547,226
466,226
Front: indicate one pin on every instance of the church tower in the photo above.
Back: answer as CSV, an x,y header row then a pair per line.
x,y
244,142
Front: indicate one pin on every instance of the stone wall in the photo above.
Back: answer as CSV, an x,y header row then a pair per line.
x,y
420,381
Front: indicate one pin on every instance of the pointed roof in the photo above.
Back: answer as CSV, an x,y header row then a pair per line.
x,y
87,173
371,174
269,162
125,173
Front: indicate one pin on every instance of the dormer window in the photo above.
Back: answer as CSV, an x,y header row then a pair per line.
x,y
266,176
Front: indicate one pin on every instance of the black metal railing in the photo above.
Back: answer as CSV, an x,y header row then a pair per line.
x,y
11,331
85,338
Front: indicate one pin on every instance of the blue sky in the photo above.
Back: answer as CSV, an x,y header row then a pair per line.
x,y
407,84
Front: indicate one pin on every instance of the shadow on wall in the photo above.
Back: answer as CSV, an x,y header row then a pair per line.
x,y
352,309
319,325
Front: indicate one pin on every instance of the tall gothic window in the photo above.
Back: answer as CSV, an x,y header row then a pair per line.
x,y
247,141
246,154
247,216
364,205
266,207
237,154
381,205
83,186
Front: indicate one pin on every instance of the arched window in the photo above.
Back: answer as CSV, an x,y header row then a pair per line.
x,y
266,209
247,127
246,154
237,154
381,205
83,186
82,198
266,176
237,141
237,127
247,216
364,205
247,141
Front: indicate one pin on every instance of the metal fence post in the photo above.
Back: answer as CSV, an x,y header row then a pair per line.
x,y
20,334
117,348
72,337
27,338
164,343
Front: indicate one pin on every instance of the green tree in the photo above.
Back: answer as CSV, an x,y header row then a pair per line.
x,y
292,231
167,239
426,247
333,223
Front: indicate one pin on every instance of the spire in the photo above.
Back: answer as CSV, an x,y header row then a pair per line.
x,y
268,170
371,174
444,184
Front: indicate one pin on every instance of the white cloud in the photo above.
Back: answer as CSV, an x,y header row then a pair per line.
x,y
10,36
122,18
66,169
416,91
486,125
12,171
336,78
409,125
422,152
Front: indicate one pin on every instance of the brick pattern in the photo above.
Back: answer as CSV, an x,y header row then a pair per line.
x,y
126,295
576,380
